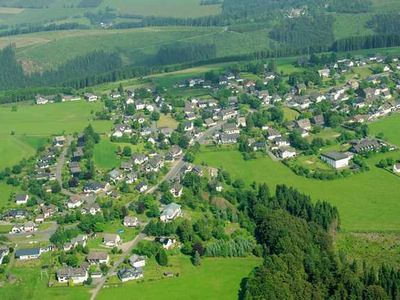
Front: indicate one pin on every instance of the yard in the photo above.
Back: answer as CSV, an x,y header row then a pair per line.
x,y
192,283
366,201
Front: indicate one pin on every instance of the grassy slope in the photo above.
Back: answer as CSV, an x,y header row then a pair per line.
x,y
367,201
105,156
193,282
390,127
33,124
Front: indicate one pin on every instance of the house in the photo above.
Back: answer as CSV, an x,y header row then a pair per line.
x,y
74,201
92,208
115,175
111,240
396,168
228,114
74,275
318,120
304,124
226,139
170,212
59,141
41,100
300,88
273,134
365,145
324,73
39,219
15,214
131,178
137,261
25,254
166,242
337,160
209,122
230,128
139,159
98,258
188,126
175,152
286,152
21,199
90,97
79,240
141,187
127,274
176,190
131,221
95,187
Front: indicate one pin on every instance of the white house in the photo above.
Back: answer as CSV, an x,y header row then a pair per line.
x,y
396,168
98,258
137,261
74,275
337,160
111,240
21,199
286,152
127,274
131,221
25,254
170,212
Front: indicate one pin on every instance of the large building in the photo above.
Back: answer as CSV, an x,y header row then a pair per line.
x,y
337,160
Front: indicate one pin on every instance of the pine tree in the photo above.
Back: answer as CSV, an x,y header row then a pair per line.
x,y
162,258
196,260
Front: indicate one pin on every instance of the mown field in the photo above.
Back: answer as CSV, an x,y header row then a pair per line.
x,y
390,127
216,278
24,130
367,202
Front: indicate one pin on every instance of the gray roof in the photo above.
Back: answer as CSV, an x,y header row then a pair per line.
x,y
25,252
335,155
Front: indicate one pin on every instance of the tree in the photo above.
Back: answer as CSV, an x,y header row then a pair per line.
x,y
127,151
155,116
196,260
162,258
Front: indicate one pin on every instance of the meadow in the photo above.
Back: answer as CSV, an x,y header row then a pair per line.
x,y
367,202
30,126
390,127
193,282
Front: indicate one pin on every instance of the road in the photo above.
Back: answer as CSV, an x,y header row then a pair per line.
x,y
127,249
173,172
60,164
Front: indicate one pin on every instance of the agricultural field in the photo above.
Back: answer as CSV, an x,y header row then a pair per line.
x,y
201,280
390,127
24,129
163,8
366,201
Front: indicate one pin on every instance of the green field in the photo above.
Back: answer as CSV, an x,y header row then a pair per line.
x,y
390,127
367,202
105,156
216,278
32,125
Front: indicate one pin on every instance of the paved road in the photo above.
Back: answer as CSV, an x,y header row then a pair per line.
x,y
127,248
60,165
173,172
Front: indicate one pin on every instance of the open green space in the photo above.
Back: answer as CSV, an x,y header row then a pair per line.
x,y
390,127
30,126
192,283
367,202
374,248
105,156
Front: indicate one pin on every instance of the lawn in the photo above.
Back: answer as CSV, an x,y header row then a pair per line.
x,y
290,114
105,156
167,121
32,125
390,127
367,202
193,282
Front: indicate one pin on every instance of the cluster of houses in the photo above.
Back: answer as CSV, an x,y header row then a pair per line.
x,y
48,99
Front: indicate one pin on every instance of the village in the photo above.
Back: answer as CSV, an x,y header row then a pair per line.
x,y
98,217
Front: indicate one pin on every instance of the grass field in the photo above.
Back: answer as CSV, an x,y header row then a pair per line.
x,y
32,125
390,127
214,279
367,202
374,248
105,156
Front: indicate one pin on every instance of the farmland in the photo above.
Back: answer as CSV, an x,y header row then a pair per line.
x,y
201,280
31,126
366,201
390,127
